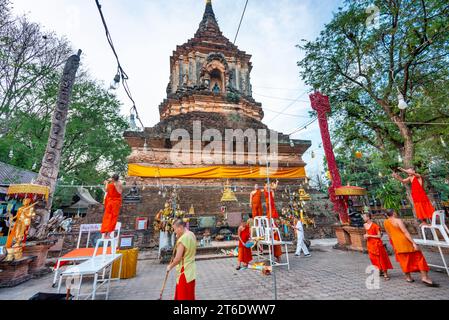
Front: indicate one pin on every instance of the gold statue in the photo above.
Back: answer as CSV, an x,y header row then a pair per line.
x,y
228,194
22,221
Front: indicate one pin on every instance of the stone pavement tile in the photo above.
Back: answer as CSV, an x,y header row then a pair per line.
x,y
329,274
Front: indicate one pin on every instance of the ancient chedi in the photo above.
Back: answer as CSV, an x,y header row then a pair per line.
x,y
209,84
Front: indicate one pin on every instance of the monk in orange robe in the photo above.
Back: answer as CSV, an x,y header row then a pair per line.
x,y
407,251
423,207
269,199
112,205
245,254
376,250
184,262
255,201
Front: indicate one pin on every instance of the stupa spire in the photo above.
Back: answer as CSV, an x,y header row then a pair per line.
x,y
209,22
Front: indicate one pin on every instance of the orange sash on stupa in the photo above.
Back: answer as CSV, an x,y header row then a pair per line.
x,y
409,259
112,204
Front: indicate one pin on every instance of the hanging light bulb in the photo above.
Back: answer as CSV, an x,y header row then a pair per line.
x,y
402,104
132,122
380,174
399,158
11,154
145,146
443,143
34,166
292,144
115,84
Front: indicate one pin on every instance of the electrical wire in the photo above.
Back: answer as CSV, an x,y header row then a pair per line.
x,y
241,19
279,98
303,127
289,105
124,77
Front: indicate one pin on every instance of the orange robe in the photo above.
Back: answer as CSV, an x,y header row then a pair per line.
x,y
185,291
410,260
256,204
277,251
245,254
376,250
277,248
423,207
112,204
269,200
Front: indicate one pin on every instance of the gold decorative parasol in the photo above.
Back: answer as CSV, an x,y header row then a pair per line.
x,y
28,191
350,191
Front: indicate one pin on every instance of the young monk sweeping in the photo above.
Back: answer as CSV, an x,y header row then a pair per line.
x,y
407,252
112,205
376,250
245,254
184,261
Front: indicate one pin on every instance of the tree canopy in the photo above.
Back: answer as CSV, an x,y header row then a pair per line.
x,y
31,64
364,59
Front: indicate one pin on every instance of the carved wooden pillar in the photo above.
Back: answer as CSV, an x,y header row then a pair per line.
x,y
49,170
320,103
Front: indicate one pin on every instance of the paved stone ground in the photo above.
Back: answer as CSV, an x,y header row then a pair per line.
x,y
328,274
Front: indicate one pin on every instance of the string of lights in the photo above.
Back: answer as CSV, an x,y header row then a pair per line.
x,y
121,74
303,127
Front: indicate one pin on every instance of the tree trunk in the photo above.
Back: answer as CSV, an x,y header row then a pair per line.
x,y
49,170
407,156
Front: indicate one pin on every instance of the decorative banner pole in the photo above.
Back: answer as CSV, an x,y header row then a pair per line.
x,y
320,103
49,170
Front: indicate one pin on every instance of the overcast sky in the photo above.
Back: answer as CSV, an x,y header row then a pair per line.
x,y
145,33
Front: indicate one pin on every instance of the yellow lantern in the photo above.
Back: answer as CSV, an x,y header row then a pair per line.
x,y
358,155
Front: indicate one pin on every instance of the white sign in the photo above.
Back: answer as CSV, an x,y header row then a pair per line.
x,y
141,224
126,242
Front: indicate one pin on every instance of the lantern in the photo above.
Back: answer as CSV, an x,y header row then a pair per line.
x,y
358,155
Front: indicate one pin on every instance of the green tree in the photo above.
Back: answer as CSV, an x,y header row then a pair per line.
x,y
94,145
362,67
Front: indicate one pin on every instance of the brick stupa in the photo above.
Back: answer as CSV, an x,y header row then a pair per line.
x,y
209,82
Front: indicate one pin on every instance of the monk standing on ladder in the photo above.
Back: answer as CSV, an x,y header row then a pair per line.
x,y
112,205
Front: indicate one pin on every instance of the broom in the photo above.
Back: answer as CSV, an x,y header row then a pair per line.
x,y
168,272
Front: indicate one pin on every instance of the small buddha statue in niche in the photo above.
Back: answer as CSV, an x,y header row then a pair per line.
x,y
216,88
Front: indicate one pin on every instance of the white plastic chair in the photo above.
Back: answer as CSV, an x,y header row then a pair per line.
x,y
81,254
438,223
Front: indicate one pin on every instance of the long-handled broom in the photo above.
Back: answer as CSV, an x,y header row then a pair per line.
x,y
168,272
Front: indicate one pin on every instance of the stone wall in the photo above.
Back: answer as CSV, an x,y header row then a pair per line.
x,y
206,199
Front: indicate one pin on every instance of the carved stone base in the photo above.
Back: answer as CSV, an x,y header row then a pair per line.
x,y
13,273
